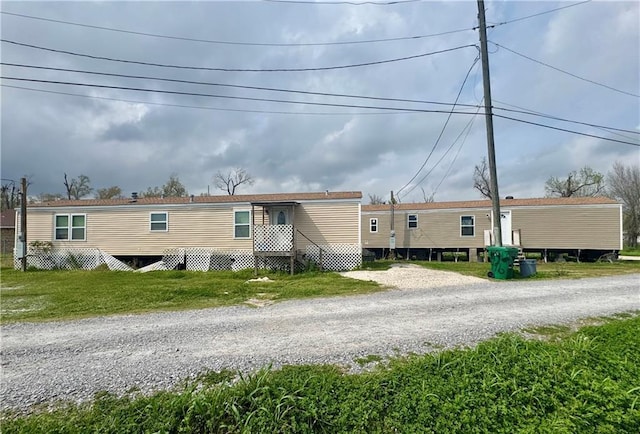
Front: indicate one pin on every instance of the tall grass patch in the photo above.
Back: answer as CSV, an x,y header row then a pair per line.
x,y
586,381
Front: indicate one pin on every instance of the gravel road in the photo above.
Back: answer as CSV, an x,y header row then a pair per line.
x,y
74,359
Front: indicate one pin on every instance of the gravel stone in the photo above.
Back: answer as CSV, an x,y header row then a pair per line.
x,y
427,310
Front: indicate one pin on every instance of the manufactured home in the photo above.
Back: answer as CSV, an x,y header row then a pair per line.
x,y
240,231
585,227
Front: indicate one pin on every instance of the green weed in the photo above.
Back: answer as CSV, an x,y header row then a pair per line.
x,y
586,381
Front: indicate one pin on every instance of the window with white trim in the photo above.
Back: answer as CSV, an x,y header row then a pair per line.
x,y
467,226
412,221
70,227
159,221
241,224
373,225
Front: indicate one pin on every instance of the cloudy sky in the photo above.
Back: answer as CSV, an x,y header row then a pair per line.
x,y
308,140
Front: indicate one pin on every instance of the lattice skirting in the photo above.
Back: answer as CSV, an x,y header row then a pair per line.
x,y
336,257
70,259
205,259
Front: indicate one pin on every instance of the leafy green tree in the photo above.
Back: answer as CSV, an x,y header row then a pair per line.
x,y
78,187
584,183
113,192
172,188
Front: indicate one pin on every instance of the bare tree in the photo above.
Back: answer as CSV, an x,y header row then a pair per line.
x,y
9,198
482,179
113,192
624,185
374,199
425,198
230,181
78,187
586,182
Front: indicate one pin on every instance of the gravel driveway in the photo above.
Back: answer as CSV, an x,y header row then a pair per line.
x,y
75,359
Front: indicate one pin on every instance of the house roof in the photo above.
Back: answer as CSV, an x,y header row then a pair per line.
x,y
8,219
263,198
545,201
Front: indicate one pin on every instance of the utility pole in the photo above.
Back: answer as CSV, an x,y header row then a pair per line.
x,y
495,196
23,223
392,233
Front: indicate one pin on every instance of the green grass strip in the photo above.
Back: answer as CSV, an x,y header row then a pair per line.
x,y
585,382
56,295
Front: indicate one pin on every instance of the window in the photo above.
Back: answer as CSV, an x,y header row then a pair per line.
x,y
70,227
158,222
412,221
373,225
241,228
467,226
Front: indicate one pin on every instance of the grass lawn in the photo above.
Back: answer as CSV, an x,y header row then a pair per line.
x,y
54,295
630,252
571,382
551,270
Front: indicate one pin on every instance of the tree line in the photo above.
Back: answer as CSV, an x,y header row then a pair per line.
x,y
80,188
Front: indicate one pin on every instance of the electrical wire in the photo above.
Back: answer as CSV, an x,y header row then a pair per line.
x,y
244,98
565,72
204,83
466,127
221,42
399,109
555,118
303,92
235,86
203,68
604,128
565,130
225,109
537,15
435,145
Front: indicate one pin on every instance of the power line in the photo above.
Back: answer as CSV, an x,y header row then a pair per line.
x,y
555,118
565,72
566,130
435,145
202,68
226,109
235,86
444,154
303,92
221,42
244,98
537,15
455,157
399,109
604,128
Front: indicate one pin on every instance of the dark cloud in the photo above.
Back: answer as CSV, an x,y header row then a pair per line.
x,y
137,145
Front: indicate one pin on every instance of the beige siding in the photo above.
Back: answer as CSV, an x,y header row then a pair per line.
x,y
436,229
327,223
551,227
577,227
125,230
121,231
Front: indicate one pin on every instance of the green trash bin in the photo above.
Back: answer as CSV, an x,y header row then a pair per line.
x,y
501,259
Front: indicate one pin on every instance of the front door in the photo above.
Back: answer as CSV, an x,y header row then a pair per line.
x,y
282,234
280,216
507,235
